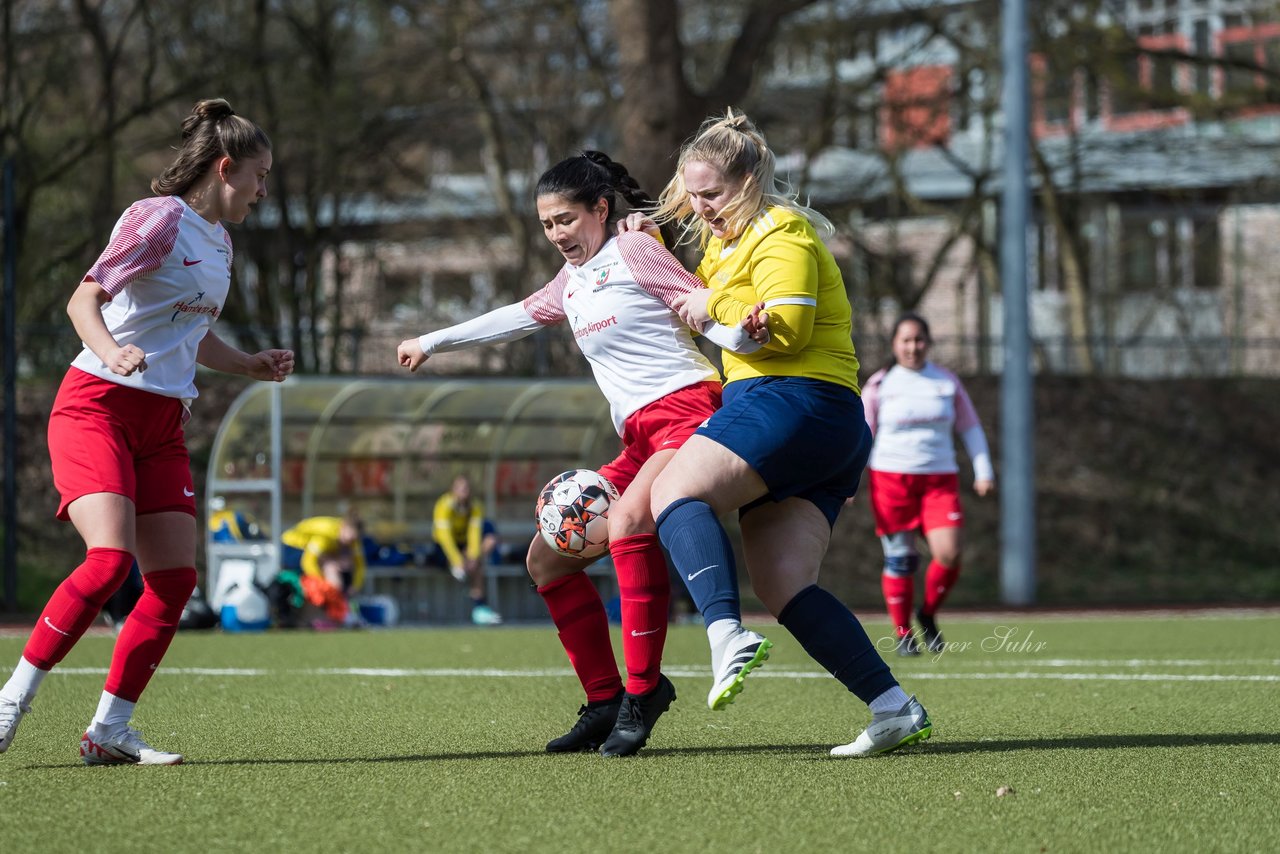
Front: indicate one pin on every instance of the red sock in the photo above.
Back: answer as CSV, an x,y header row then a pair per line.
x,y
645,590
938,581
75,604
579,616
899,596
149,630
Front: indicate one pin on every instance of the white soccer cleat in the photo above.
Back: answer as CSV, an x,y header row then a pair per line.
x,y
123,747
744,653
10,716
889,731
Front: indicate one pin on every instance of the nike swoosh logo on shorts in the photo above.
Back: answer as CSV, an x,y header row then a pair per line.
x,y
188,492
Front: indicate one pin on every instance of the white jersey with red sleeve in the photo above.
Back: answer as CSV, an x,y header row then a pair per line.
x,y
912,415
619,306
167,270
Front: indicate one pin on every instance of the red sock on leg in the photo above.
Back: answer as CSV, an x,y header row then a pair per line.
x,y
645,590
938,581
75,604
149,630
899,596
579,616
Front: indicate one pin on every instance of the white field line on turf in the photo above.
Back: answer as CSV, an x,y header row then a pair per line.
x,y
487,673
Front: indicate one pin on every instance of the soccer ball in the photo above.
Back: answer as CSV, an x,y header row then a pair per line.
x,y
572,513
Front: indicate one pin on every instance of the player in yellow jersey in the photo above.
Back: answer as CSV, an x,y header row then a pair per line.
x,y
465,538
790,442
328,551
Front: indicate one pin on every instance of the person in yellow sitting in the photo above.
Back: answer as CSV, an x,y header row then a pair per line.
x,y
329,553
465,539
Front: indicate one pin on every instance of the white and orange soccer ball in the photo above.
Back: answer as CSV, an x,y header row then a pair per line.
x,y
573,513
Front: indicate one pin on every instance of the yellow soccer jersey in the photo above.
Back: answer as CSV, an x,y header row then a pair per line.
x,y
318,536
455,528
780,259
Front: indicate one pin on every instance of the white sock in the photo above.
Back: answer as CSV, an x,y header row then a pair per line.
x,y
890,701
25,681
113,713
719,634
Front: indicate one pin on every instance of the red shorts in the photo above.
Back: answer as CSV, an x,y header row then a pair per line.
x,y
904,502
107,437
663,425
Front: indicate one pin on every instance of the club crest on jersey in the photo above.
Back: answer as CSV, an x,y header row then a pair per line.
x,y
602,276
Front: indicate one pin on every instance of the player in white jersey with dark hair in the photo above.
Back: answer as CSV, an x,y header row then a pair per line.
x,y
913,407
145,312
616,294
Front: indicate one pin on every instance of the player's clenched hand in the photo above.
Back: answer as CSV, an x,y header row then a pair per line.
x,y
692,307
638,222
271,365
410,354
757,324
125,360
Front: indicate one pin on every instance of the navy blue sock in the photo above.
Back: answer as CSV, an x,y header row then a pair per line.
x,y
834,638
703,556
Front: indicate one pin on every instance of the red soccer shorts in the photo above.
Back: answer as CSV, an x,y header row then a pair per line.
x,y
904,502
663,425
107,437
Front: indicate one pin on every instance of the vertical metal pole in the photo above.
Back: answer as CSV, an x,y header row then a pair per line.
x,y
277,474
10,391
1017,511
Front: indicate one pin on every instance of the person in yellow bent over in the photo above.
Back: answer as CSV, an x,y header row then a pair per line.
x,y
329,552
465,538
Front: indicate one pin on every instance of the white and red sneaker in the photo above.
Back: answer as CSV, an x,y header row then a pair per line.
x,y
123,747
10,716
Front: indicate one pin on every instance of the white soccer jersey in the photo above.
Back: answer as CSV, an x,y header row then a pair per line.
x,y
167,270
912,414
619,306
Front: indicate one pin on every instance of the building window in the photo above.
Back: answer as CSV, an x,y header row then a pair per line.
x,y
1165,250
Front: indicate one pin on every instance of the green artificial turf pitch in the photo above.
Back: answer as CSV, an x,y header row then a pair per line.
x,y
1050,734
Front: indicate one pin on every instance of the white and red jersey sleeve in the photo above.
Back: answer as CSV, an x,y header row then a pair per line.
x,y
143,239
167,271
546,305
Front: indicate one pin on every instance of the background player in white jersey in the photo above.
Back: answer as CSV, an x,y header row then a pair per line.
x,y
913,406
145,313
616,292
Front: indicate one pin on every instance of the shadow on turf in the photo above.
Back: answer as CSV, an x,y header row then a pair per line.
x,y
804,751
1098,742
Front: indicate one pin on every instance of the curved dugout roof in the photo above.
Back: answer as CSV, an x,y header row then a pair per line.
x,y
390,447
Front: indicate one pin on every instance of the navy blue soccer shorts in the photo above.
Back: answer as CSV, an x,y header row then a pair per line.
x,y
806,438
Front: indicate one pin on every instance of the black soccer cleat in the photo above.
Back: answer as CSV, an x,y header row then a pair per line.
x,y
636,717
595,721
929,627
907,645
